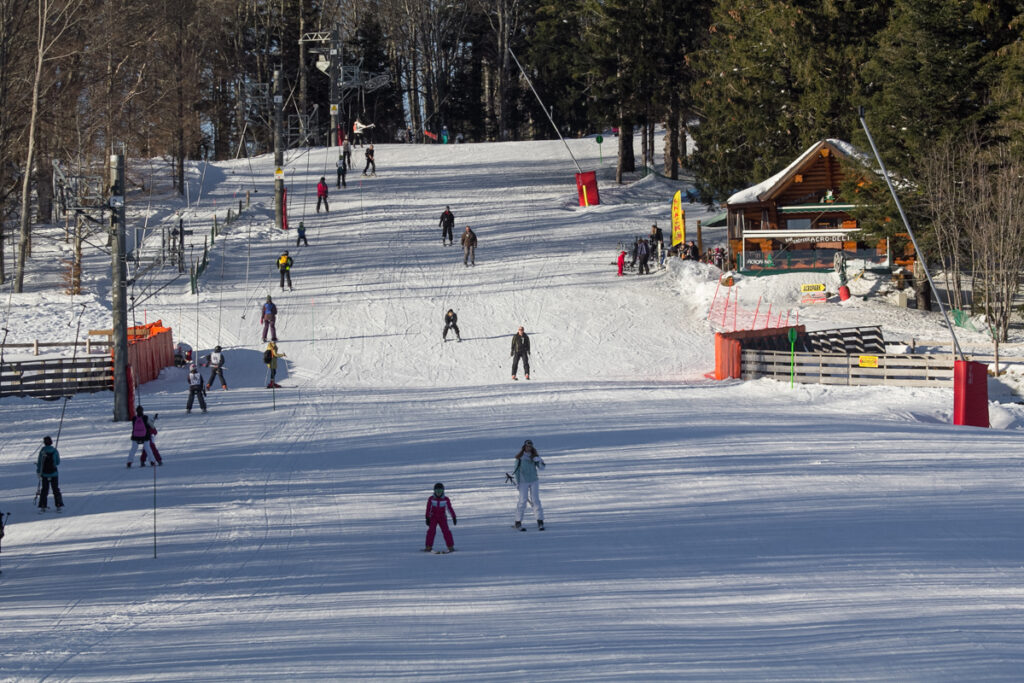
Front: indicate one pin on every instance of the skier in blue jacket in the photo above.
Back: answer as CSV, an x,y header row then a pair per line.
x,y
46,470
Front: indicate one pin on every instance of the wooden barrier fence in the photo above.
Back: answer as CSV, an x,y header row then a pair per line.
x,y
56,378
904,370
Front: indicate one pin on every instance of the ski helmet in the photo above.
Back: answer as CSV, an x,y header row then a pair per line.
x,y
217,349
438,489
47,441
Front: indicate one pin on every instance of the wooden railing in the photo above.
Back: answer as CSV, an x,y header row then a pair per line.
x,y
56,378
908,370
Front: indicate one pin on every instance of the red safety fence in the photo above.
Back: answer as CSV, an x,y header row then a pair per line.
x,y
728,314
150,350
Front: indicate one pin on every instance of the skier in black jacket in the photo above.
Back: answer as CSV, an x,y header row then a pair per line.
x,y
447,224
520,350
451,322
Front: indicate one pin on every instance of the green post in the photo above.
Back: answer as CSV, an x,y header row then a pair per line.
x,y
792,355
600,156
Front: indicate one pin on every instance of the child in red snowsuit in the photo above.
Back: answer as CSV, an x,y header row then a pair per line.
x,y
438,508
621,261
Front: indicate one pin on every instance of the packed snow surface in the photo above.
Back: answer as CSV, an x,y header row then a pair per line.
x,y
697,530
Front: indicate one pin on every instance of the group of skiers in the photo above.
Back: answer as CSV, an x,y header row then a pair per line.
x,y
468,239
525,477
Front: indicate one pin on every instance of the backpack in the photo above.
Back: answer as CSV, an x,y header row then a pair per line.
x,y
139,428
268,356
48,466
269,308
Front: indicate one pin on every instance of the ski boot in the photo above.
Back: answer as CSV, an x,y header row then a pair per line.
x,y
540,525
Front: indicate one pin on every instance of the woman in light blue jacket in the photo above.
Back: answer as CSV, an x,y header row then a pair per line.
x,y
527,464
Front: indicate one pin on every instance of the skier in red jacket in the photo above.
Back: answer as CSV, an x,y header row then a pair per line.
x,y
438,508
321,195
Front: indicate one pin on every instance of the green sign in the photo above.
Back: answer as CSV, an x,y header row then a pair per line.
x,y
599,139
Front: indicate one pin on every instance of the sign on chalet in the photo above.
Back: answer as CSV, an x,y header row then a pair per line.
x,y
796,219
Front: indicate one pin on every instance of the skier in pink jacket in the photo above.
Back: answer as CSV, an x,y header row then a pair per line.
x,y
438,508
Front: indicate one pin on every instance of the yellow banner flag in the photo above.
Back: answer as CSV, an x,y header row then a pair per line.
x,y
678,219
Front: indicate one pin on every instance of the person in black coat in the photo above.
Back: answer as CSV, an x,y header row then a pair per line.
x,y
446,224
520,351
451,323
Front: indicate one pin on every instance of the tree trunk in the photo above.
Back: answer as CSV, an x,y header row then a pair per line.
x,y
671,153
627,162
26,178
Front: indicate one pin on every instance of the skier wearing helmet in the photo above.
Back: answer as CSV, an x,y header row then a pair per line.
x,y
284,266
195,388
217,368
439,506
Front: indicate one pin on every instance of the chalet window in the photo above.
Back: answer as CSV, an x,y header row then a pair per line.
x,y
798,223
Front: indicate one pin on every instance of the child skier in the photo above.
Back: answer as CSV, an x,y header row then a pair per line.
x,y
270,357
46,470
196,389
142,429
217,368
439,506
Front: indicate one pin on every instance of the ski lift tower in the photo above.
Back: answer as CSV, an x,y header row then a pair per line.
x,y
344,79
329,54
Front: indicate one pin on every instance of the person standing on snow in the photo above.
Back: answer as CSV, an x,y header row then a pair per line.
x,y
195,388
643,254
46,470
341,172
658,244
270,357
451,323
268,316
321,195
520,351
346,153
369,161
439,506
468,243
217,368
528,483
142,429
446,224
284,266
301,239
621,261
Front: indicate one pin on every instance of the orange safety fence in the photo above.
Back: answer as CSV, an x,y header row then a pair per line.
x,y
729,348
150,350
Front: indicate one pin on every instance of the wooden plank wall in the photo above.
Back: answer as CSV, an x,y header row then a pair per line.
x,y
836,368
56,378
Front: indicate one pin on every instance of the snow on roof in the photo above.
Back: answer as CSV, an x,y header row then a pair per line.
x,y
754,192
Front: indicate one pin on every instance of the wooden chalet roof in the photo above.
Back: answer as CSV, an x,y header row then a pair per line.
x,y
816,169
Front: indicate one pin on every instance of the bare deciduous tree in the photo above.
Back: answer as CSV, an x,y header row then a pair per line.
x,y
55,19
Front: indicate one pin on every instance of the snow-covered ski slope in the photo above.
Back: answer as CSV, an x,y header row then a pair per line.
x,y
696,530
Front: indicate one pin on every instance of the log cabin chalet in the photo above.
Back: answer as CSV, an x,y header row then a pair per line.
x,y
796,220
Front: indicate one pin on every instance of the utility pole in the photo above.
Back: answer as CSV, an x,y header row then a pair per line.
x,y
336,59
303,106
278,153
119,288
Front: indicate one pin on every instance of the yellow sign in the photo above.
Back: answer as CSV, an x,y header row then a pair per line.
x,y
334,110
812,288
678,219
279,174
868,361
